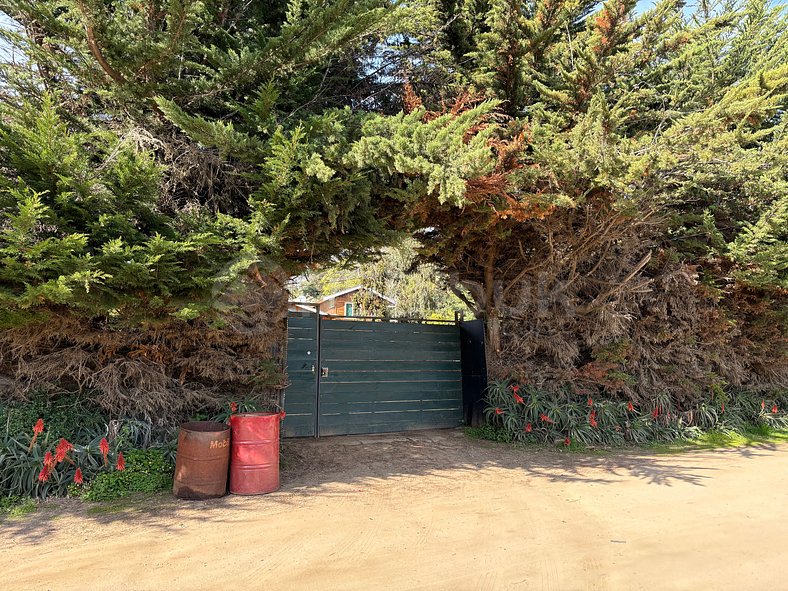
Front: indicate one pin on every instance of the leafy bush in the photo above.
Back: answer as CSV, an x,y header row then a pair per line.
x,y
526,414
232,408
146,471
71,416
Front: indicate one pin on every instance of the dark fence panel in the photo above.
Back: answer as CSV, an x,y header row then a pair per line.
x,y
302,362
474,370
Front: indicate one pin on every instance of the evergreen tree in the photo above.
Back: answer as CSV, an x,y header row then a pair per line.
x,y
158,156
635,153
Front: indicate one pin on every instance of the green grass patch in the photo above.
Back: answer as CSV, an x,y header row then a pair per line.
x,y
147,471
17,506
751,435
713,439
489,433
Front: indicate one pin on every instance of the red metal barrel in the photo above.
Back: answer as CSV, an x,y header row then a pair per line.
x,y
254,453
202,459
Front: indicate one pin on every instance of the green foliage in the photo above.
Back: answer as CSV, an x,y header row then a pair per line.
x,y
16,506
418,291
676,110
22,463
147,470
152,154
71,416
490,433
73,419
272,162
525,414
83,229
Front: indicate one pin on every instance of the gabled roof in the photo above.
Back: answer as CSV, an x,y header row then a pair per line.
x,y
358,288
305,308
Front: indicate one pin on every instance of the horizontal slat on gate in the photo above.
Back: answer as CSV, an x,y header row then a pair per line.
x,y
294,426
339,337
388,327
414,395
386,335
386,366
392,415
366,387
396,420
414,405
372,350
302,346
338,375
373,354
294,321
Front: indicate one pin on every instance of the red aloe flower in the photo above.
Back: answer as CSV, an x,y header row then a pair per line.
x,y
763,405
49,460
592,418
62,449
518,399
723,407
528,428
104,448
545,418
498,411
774,409
233,407
43,476
120,465
568,441
78,479
515,389
590,401
38,428
655,413
630,406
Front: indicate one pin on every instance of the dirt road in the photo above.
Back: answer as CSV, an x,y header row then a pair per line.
x,y
433,511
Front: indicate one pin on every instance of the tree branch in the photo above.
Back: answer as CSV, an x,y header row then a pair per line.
x,y
96,50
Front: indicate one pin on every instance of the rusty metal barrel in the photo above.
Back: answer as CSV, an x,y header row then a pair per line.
x,y
202,460
254,464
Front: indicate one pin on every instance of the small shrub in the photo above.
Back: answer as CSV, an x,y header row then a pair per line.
x,y
147,470
16,506
232,408
489,432
525,414
70,416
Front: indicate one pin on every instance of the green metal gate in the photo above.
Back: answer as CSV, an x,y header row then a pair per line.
x,y
371,376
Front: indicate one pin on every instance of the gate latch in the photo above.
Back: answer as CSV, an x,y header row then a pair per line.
x,y
323,372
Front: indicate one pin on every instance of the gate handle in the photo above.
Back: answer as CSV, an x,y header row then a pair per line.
x,y
323,372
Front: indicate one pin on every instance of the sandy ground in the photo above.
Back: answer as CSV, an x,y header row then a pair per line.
x,y
433,510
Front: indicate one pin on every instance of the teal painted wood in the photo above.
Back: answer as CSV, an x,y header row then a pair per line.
x,y
386,377
392,389
300,395
392,365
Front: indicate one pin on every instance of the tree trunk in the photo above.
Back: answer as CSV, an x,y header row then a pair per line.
x,y
493,321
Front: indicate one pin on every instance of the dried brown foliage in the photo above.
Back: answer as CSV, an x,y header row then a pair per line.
x,y
163,372
593,310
